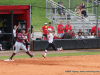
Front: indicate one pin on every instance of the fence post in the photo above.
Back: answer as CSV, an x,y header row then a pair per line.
x,y
50,10
87,4
46,8
97,20
92,6
55,12
66,16
69,3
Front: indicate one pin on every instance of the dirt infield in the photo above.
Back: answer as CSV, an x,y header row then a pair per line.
x,y
52,66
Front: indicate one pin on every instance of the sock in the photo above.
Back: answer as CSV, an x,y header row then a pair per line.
x,y
1,46
28,47
45,52
12,55
59,49
13,47
29,54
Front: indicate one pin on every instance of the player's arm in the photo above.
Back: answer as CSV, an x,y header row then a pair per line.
x,y
26,34
21,38
41,30
49,36
17,26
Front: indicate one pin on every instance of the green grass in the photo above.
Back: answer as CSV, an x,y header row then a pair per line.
x,y
54,55
38,14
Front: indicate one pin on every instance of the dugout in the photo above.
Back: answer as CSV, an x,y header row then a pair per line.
x,y
11,15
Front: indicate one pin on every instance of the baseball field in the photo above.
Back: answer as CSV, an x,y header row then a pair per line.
x,y
86,62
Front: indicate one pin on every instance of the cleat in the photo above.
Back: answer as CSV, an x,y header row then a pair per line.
x,y
44,56
2,49
9,60
32,55
61,49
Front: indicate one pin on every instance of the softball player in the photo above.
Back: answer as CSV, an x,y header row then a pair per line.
x,y
51,43
19,44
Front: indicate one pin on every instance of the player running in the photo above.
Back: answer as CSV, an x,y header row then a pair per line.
x,y
19,44
51,43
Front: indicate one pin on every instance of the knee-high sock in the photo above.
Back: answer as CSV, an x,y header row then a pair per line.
x,y
45,52
29,54
13,47
12,55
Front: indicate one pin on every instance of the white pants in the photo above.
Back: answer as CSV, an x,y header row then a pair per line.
x,y
19,45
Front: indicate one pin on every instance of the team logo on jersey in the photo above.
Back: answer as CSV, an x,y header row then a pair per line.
x,y
45,26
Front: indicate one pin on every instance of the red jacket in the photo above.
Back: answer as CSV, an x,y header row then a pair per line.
x,y
72,34
44,29
60,28
94,29
68,27
50,27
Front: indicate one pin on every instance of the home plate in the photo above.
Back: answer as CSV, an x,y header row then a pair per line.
x,y
8,60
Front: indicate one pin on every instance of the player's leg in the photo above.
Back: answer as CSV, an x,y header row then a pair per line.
x,y
47,47
18,45
24,48
56,49
28,44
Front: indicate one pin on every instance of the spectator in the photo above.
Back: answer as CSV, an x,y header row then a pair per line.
x,y
61,9
83,35
44,31
79,36
26,42
55,37
79,31
14,34
53,8
77,10
80,5
91,35
72,33
32,32
68,27
60,29
83,5
94,29
67,35
84,12
50,26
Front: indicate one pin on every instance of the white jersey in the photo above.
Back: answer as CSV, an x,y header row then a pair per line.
x,y
14,32
90,37
50,39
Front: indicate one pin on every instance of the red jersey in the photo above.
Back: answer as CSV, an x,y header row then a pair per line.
x,y
60,28
50,27
20,35
94,29
99,34
72,35
68,27
44,29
